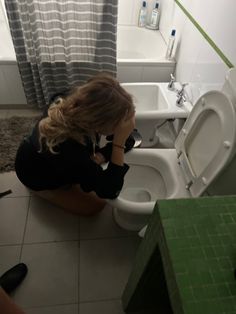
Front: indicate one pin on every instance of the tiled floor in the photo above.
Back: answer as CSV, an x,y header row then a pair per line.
x,y
76,265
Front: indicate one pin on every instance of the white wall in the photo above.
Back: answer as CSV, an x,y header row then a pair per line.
x,y
218,19
197,62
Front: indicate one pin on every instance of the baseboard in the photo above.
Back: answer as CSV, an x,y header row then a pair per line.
x,y
16,106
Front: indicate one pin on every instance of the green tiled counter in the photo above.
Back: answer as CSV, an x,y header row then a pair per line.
x,y
190,247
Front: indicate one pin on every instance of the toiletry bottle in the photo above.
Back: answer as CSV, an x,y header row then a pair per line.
x,y
142,15
170,45
155,16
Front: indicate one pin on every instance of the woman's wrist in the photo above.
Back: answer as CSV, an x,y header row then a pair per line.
x,y
118,145
119,140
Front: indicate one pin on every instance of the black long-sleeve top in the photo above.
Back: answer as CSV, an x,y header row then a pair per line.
x,y
71,165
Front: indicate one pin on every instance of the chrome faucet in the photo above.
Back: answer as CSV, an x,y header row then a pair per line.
x,y
171,83
181,96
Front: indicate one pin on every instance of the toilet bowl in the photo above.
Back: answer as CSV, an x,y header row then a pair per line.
x,y
204,148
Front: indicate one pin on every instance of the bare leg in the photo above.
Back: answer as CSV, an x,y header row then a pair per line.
x,y
74,200
7,306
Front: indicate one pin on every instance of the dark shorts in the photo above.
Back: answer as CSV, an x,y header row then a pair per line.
x,y
34,171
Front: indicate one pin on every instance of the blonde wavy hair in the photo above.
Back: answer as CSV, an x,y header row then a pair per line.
x,y
99,104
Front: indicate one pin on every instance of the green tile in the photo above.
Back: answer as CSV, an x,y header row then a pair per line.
x,y
214,240
183,280
227,305
206,278
170,232
224,263
187,294
196,253
212,292
227,218
190,231
202,251
223,291
232,288
220,251
218,277
225,239
209,252
191,307
195,241
234,217
199,293
204,240
180,267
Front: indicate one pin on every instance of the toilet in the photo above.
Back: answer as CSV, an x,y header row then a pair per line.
x,y
203,161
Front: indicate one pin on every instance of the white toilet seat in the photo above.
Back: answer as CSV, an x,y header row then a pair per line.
x,y
202,152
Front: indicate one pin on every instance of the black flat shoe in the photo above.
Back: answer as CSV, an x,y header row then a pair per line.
x,y
11,279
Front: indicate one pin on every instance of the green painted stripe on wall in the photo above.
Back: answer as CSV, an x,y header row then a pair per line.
x,y
204,34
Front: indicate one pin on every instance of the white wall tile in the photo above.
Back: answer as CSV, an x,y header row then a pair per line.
x,y
125,12
154,73
129,73
218,21
187,51
10,80
167,17
197,62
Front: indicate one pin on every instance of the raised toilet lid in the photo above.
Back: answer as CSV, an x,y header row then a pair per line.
x,y
207,141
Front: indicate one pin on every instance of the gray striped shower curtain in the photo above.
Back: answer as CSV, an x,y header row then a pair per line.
x,y
61,43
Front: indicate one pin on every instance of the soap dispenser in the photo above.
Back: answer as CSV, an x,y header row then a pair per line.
x,y
142,15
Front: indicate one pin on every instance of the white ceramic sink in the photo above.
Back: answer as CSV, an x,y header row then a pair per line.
x,y
155,101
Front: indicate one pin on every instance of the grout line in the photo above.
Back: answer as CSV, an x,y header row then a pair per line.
x,y
50,242
71,240
26,222
111,237
163,38
48,306
16,244
100,300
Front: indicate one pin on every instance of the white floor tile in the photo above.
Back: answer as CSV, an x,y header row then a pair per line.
x,y
9,181
60,309
13,213
102,226
104,307
47,222
53,275
9,257
104,267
